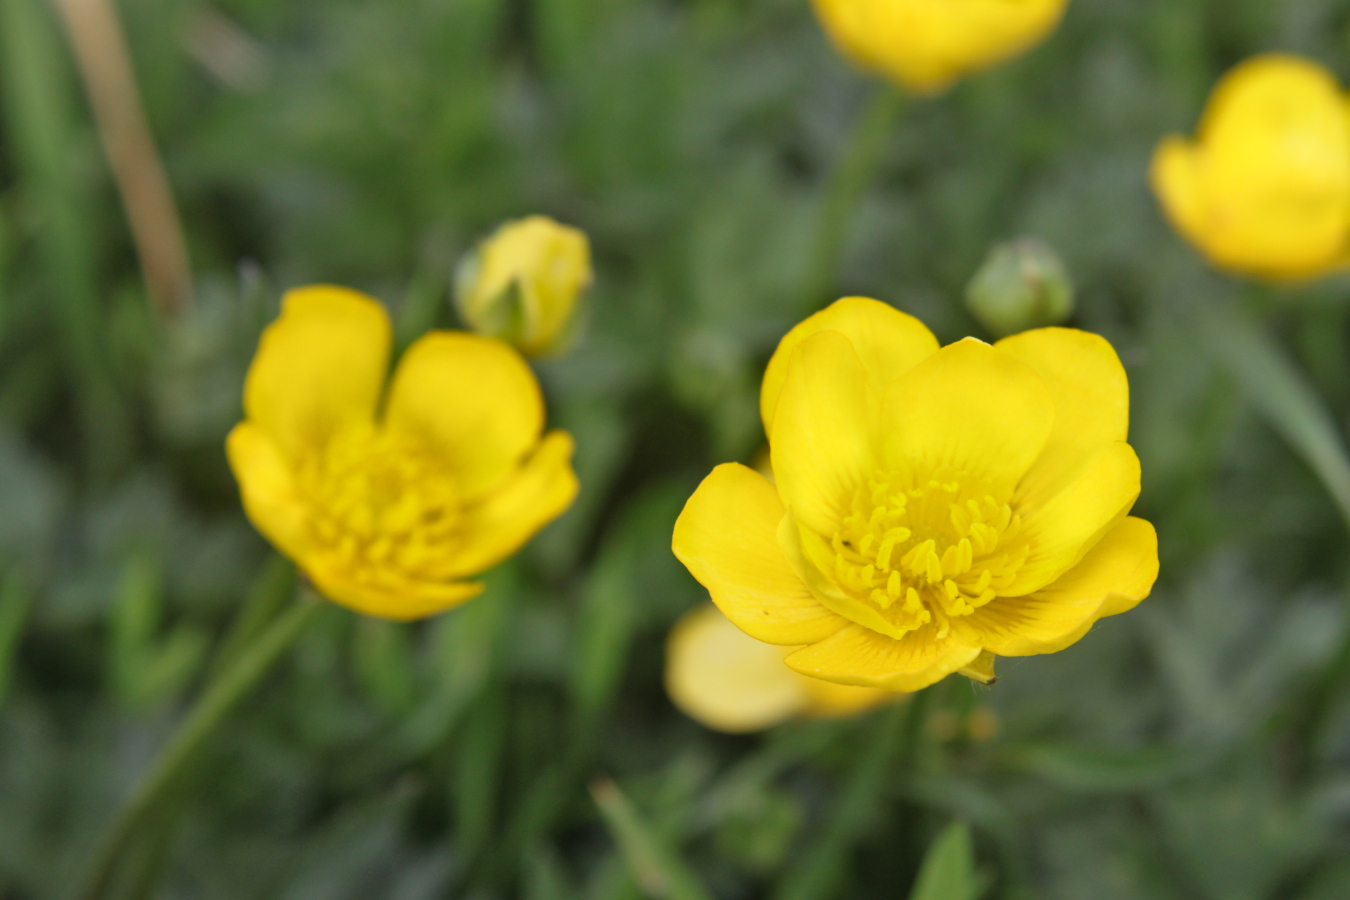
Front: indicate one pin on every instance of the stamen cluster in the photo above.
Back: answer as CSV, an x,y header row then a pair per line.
x,y
381,500
927,549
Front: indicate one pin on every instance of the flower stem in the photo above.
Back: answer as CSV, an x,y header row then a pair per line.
x,y
219,699
847,183
892,746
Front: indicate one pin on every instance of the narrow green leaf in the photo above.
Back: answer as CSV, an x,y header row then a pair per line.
x,y
659,872
16,598
948,870
1282,393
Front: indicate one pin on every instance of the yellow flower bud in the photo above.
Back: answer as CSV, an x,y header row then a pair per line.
x,y
390,497
728,681
1264,189
522,284
925,45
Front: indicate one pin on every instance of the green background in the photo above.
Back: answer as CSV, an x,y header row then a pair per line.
x,y
1197,748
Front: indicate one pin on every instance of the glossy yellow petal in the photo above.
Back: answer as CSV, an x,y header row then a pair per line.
x,y
319,367
1265,188
1112,578
387,596
1177,181
926,45
474,400
267,487
1092,403
968,409
812,558
858,655
721,677
887,341
1063,529
507,518
823,445
727,538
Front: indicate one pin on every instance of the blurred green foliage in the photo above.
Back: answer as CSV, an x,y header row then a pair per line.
x,y
1195,749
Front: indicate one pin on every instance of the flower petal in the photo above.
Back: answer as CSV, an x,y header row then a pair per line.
x,y
887,341
1062,530
268,490
823,441
727,680
1113,577
1092,403
474,399
319,366
858,655
1176,180
392,598
828,698
541,491
968,408
727,538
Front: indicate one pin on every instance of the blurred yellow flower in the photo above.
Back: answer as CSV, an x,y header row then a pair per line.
x,y
925,45
933,508
1264,189
389,501
523,284
728,681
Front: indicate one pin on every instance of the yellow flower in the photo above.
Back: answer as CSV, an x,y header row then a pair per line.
x,y
728,681
925,45
522,284
1264,189
389,501
932,508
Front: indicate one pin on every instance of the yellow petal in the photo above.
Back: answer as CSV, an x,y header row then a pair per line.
x,y
474,399
390,597
1177,182
1092,403
1071,523
812,558
537,494
887,341
858,655
268,489
727,680
1112,578
727,538
320,366
971,409
823,440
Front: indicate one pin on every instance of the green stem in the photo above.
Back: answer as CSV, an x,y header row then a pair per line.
x,y
894,740
847,183
201,723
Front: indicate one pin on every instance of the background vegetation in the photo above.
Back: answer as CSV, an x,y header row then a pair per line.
x,y
1197,748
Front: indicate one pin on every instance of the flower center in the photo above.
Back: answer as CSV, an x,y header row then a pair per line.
x,y
927,549
382,501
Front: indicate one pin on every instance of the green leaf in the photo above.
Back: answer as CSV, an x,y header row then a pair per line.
x,y
656,867
948,870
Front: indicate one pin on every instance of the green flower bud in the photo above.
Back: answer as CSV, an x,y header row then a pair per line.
x,y
1021,285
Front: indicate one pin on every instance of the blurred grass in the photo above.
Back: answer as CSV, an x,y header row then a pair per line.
x,y
1166,756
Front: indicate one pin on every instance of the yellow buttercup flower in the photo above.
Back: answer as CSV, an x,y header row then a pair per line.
x,y
524,282
1264,189
725,679
925,45
390,499
932,508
